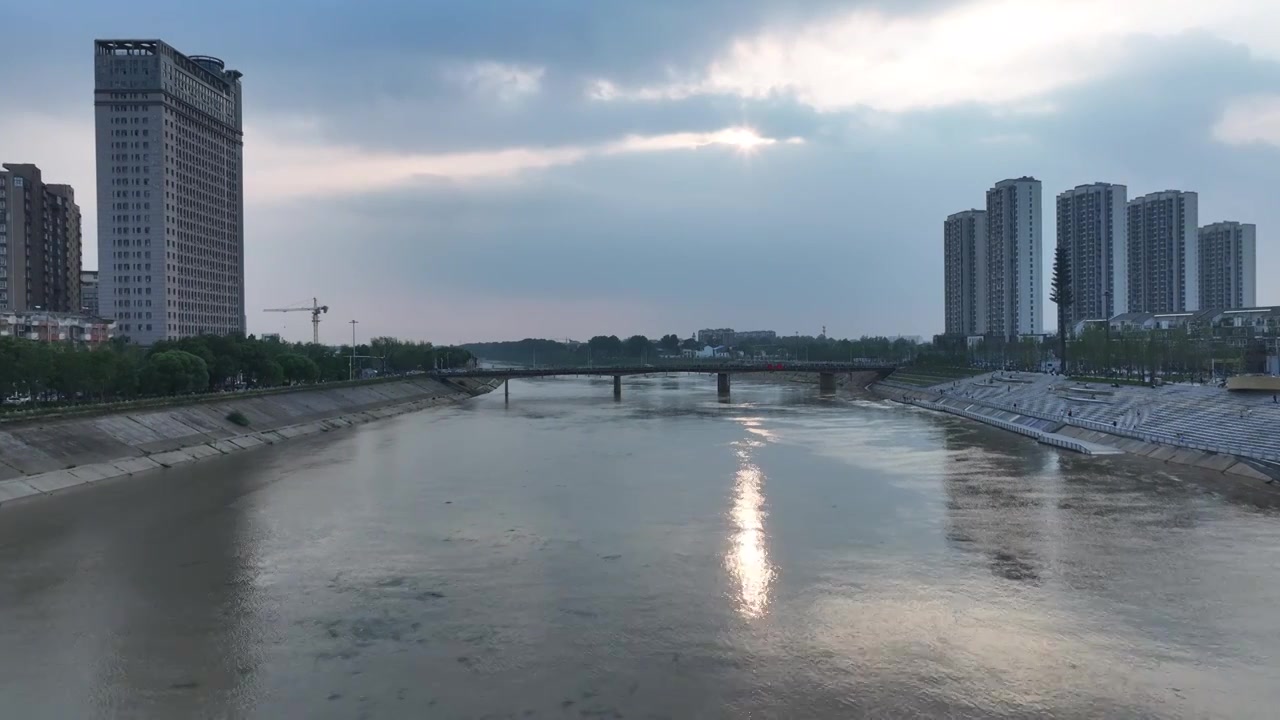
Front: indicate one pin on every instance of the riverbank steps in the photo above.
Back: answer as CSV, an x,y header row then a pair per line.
x,y
1198,425
39,457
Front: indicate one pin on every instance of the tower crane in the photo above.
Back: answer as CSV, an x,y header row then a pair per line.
x,y
316,309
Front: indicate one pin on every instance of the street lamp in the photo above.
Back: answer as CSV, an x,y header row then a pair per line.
x,y
351,365
1106,355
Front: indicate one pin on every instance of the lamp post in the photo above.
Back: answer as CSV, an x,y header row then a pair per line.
x,y
351,365
1106,355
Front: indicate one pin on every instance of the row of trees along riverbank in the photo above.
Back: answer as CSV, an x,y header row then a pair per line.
x,y
612,350
41,372
1171,354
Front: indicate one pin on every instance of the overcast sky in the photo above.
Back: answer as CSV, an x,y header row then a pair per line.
x,y
497,169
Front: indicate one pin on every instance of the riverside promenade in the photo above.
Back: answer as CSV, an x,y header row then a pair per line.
x,y
1198,425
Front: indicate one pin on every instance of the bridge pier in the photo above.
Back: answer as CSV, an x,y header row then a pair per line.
x,y
617,386
506,389
826,382
722,383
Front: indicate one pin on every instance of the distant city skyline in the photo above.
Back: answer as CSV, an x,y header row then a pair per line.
x,y
1145,255
468,172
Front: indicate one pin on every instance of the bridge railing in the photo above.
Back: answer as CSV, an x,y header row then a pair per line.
x,y
703,366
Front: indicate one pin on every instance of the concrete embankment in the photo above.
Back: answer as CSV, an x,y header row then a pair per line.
x,y
1224,463
41,456
1068,435
1046,432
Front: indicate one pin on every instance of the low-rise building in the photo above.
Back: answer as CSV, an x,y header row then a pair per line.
x,y
1133,322
1261,320
716,336
44,326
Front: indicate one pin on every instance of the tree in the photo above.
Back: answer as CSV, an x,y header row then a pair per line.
x,y
636,346
670,343
174,372
1060,293
298,368
605,346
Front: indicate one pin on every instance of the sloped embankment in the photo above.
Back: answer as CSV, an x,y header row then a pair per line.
x,y
41,456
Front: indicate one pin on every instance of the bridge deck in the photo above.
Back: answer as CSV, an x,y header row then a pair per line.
x,y
711,368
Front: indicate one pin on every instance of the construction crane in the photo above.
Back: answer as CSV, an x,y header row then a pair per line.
x,y
315,310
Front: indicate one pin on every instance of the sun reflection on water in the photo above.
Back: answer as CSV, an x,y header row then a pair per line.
x,y
748,556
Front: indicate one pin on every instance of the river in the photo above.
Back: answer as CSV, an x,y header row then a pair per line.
x,y
668,555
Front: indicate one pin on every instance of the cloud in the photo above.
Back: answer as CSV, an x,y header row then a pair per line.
x,y
515,167
505,82
992,52
286,168
1251,119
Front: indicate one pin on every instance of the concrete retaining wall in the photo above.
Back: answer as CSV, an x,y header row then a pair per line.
x,y
38,457
1091,438
1008,421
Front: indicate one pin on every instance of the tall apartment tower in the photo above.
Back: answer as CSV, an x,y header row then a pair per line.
x,y
964,239
1092,227
39,242
170,191
1164,259
1228,265
1014,238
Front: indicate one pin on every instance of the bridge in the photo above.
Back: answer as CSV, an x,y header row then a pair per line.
x,y
826,371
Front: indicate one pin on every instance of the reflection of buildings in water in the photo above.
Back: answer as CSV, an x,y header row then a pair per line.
x,y
747,558
996,502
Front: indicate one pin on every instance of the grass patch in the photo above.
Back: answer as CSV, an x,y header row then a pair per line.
x,y
1108,381
236,417
952,373
927,376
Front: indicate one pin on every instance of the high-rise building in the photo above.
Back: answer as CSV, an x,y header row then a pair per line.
x,y
170,191
39,242
1164,261
1228,265
1092,227
89,293
1014,238
964,241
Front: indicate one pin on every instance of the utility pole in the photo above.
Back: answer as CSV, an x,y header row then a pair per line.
x,y
351,371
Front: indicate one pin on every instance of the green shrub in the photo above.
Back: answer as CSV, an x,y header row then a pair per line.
x,y
238,418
